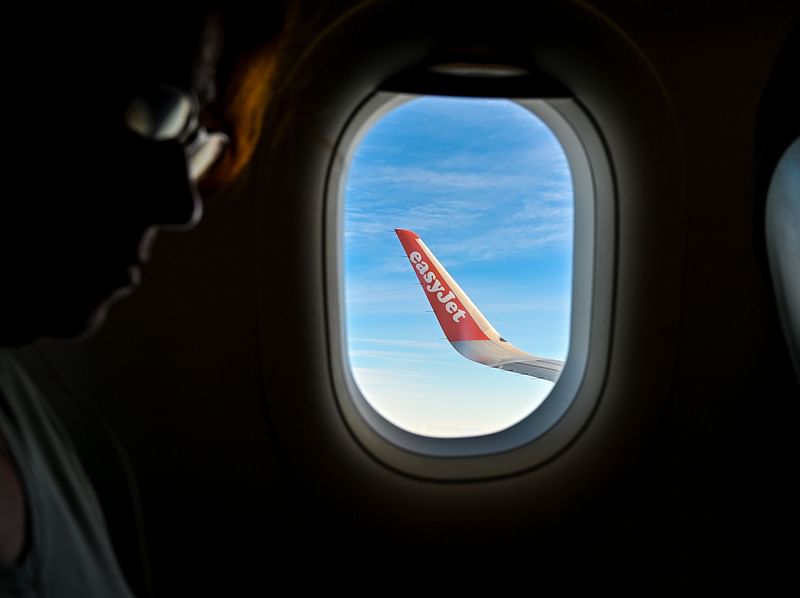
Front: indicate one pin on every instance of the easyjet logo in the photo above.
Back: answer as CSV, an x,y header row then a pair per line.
x,y
435,287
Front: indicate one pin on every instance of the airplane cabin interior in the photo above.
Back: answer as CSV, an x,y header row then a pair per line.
x,y
215,416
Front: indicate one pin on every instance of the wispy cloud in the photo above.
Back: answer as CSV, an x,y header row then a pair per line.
x,y
392,355
509,241
412,344
388,298
370,377
367,221
439,180
473,233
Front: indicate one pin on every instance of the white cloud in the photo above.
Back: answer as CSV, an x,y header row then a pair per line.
x,y
393,355
507,241
389,377
440,180
397,342
388,298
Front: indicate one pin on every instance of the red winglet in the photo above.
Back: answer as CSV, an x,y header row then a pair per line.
x,y
442,292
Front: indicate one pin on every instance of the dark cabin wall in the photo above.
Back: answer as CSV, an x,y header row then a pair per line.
x,y
729,433
177,374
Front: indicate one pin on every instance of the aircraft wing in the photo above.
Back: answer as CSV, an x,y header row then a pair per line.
x,y
463,324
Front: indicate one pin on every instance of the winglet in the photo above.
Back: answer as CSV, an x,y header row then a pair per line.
x,y
459,318
464,325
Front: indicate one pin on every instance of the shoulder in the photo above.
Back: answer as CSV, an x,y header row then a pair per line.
x,y
68,537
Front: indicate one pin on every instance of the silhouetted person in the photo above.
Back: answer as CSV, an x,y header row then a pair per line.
x,y
107,122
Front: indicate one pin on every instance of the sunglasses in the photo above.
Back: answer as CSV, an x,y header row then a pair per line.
x,y
167,113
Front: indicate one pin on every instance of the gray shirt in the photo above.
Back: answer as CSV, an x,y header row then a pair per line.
x,y
68,551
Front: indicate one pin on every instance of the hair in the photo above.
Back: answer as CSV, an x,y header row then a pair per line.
x,y
256,52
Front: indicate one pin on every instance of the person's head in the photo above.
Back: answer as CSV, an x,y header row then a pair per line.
x,y
104,109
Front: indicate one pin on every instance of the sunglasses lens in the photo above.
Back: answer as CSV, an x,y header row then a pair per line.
x,y
166,113
162,113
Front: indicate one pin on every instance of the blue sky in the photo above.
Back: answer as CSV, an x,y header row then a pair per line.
x,y
486,186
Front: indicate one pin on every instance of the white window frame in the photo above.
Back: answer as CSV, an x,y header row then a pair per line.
x,y
565,412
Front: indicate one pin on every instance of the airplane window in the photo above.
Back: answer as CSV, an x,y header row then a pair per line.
x,y
458,223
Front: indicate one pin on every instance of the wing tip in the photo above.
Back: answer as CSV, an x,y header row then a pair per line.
x,y
404,232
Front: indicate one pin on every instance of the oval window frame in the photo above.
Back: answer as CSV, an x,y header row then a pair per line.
x,y
558,420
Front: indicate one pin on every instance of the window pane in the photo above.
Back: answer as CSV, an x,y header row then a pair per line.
x,y
486,186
